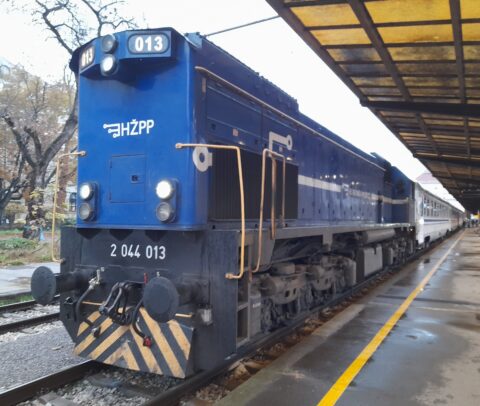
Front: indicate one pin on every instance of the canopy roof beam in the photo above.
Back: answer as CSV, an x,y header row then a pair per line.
x,y
460,179
447,109
456,160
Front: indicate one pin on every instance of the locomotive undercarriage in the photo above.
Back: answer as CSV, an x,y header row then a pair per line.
x,y
288,289
178,313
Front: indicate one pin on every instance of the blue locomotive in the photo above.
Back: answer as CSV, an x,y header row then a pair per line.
x,y
210,210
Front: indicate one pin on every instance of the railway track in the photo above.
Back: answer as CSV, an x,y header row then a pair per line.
x,y
28,322
28,304
187,387
24,306
68,375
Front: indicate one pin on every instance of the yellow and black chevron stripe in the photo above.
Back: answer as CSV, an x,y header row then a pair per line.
x,y
121,346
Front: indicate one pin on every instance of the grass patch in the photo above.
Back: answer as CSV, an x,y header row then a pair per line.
x,y
15,299
15,262
13,231
19,251
16,243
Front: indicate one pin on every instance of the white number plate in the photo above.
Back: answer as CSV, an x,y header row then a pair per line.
x,y
148,44
87,57
153,252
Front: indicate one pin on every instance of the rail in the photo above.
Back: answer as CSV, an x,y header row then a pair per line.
x,y
29,322
25,305
68,375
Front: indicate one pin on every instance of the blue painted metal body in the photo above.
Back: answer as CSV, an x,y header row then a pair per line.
x,y
178,103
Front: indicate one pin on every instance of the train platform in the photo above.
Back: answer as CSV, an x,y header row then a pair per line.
x,y
15,280
414,340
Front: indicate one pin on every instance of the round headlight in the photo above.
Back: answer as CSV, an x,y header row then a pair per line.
x,y
165,212
85,211
109,43
108,64
86,191
164,189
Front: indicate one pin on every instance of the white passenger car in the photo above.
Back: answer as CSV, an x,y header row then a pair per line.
x,y
434,217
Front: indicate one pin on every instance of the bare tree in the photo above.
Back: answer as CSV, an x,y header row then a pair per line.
x,y
71,23
39,118
11,182
12,162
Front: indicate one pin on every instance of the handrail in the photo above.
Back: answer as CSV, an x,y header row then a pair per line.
x,y
242,199
54,213
274,191
271,154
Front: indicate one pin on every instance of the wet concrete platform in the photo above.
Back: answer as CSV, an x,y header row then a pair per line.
x,y
431,356
15,280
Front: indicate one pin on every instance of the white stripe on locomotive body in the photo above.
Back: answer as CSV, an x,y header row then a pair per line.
x,y
334,187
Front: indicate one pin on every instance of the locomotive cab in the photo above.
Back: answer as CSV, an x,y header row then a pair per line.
x,y
136,101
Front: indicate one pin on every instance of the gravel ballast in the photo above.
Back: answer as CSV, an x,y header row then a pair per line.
x,y
34,352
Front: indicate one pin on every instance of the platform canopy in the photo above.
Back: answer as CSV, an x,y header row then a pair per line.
x,y
416,65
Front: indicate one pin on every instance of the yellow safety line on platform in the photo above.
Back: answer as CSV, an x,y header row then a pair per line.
x,y
336,391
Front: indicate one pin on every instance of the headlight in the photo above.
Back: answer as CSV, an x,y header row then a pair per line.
x,y
108,65
164,189
85,211
86,191
109,43
165,212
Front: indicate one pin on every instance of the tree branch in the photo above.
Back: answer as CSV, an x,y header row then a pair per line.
x,y
45,16
67,132
18,138
36,141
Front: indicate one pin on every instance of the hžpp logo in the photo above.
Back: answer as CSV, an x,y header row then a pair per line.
x,y
130,128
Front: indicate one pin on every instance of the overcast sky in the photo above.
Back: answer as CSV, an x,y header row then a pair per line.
x,y
270,48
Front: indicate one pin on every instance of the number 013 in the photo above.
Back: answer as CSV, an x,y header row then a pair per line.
x,y
148,44
155,252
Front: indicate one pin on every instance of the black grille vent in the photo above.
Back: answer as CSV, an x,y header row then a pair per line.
x,y
225,193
